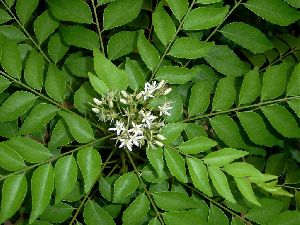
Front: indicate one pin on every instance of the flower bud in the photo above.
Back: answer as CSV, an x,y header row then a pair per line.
x,y
95,110
97,101
122,100
160,137
111,104
139,95
124,93
167,91
159,143
161,84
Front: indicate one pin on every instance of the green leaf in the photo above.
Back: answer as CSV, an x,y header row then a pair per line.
x,y
25,9
178,7
155,157
39,116
72,10
172,130
176,164
136,211
136,77
13,193
121,12
233,66
177,107
106,187
79,65
294,104
44,26
245,188
197,145
223,157
4,84
60,135
294,83
175,74
216,216
220,182
207,1
56,48
225,94
79,127
89,162
30,150
121,43
16,105
274,11
125,185
200,97
205,17
251,87
94,214
4,16
190,48
163,24
112,76
55,83
294,3
286,218
148,52
11,58
65,172
57,213
83,96
199,175
186,217
279,117
9,159
98,85
42,186
80,37
256,129
172,201
34,70
247,36
241,169
274,81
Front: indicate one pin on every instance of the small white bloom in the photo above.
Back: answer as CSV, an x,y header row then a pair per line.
x,y
126,143
136,140
119,127
167,91
148,118
164,109
97,101
136,128
124,93
159,143
95,110
149,90
160,137
122,100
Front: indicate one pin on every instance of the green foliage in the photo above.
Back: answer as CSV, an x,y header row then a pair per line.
x,y
229,148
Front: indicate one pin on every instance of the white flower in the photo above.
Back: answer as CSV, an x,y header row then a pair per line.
x,y
148,118
95,110
136,140
136,128
149,90
125,142
119,127
164,109
97,101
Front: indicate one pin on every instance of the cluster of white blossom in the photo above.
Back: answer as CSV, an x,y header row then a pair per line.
x,y
133,120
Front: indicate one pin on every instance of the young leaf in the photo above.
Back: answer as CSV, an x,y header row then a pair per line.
x,y
76,11
225,94
172,130
274,81
155,157
56,48
136,211
148,52
44,26
172,201
294,83
178,7
98,84
233,66
274,11
220,182
125,185
197,145
55,83
112,76
16,105
30,150
190,48
251,87
34,70
94,214
175,74
121,12
79,127
65,172
25,9
89,162
176,164
136,77
247,36
246,189
9,159
216,216
121,43
256,129
39,116
42,186
13,193
163,25
199,175
223,157
241,169
279,117
80,37
210,17
11,58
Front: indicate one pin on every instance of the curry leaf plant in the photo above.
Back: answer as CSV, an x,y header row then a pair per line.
x,y
149,112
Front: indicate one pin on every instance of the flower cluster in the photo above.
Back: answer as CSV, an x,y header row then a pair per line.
x,y
134,121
